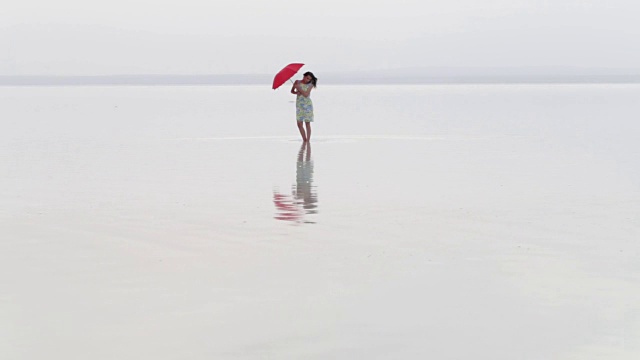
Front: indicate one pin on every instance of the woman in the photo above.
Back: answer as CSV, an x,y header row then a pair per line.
x,y
304,106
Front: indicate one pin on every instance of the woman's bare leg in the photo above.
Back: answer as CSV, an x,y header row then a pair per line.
x,y
304,137
308,124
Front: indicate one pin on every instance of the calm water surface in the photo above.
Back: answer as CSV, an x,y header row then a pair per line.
x,y
422,221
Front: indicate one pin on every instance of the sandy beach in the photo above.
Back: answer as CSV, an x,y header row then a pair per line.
x,y
440,221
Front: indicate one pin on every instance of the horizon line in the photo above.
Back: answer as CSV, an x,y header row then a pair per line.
x,y
409,76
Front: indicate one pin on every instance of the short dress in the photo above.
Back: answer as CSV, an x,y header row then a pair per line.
x,y
304,106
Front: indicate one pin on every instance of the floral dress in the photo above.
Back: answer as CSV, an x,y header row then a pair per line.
x,y
304,106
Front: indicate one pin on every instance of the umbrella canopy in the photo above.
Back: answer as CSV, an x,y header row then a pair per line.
x,y
285,74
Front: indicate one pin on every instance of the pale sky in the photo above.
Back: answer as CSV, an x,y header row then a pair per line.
x,y
70,37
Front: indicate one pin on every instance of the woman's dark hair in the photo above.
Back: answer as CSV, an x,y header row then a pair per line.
x,y
314,79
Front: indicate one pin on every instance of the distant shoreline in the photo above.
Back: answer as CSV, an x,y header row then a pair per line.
x,y
328,79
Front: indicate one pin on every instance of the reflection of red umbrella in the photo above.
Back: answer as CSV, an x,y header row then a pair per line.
x,y
285,74
287,209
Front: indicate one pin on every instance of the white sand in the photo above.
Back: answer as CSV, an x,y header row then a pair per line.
x,y
453,222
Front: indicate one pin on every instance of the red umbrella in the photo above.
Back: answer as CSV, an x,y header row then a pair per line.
x,y
285,74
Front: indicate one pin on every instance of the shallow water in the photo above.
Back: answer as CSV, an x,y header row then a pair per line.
x,y
466,221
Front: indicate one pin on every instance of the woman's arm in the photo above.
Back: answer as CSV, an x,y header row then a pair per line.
x,y
302,92
294,88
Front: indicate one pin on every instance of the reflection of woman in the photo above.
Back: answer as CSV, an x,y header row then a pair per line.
x,y
304,199
304,190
